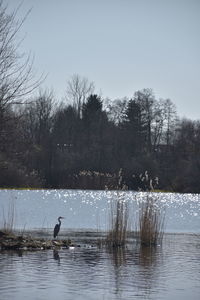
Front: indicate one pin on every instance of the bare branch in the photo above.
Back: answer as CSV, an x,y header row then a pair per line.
x,y
78,90
17,78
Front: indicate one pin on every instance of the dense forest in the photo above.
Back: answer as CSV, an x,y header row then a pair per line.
x,y
84,141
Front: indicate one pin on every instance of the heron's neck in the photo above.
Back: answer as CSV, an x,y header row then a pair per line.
x,y
59,221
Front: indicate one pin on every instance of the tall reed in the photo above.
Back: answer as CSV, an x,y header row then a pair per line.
x,y
118,219
151,222
117,233
9,219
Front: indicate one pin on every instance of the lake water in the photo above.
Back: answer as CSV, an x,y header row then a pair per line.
x,y
171,271
90,209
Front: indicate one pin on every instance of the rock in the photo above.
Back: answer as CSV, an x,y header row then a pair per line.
x,y
2,234
9,241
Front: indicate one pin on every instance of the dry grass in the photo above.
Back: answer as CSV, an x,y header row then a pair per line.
x,y
9,218
118,219
117,233
151,222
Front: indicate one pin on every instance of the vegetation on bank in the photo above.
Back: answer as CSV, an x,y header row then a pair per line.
x,y
86,152
82,142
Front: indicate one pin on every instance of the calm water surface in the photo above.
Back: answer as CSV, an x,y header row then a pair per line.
x,y
171,271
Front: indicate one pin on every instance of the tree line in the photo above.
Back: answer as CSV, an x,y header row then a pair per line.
x,y
84,141
84,144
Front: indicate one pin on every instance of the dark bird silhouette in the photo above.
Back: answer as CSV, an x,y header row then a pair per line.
x,y
56,255
57,227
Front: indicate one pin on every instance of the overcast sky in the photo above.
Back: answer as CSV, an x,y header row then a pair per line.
x,y
121,45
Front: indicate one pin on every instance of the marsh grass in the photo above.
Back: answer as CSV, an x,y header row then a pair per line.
x,y
151,222
117,233
8,219
118,219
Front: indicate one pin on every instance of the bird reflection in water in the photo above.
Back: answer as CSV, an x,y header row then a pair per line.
x,y
56,255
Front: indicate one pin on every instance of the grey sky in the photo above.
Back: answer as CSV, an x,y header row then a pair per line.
x,y
121,45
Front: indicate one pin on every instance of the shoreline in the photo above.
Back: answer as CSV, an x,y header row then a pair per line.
x,y
34,240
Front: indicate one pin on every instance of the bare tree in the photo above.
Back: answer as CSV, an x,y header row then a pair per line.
x,y
116,109
36,118
146,99
170,120
78,90
17,78
158,123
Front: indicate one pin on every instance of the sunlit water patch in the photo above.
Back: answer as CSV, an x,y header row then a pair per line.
x,y
90,209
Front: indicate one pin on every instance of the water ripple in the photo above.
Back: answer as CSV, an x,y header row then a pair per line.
x,y
167,272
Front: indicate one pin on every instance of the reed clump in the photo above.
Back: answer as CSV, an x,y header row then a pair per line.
x,y
117,233
151,222
9,218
